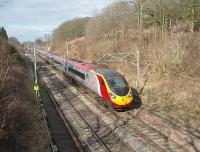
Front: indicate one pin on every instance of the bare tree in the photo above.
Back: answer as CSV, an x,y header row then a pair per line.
x,y
4,69
114,21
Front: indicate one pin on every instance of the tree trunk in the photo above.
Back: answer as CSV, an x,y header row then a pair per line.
x,y
163,20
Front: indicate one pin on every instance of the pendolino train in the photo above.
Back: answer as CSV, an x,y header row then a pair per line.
x,y
108,84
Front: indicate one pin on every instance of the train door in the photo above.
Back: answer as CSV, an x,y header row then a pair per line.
x,y
103,88
71,74
93,83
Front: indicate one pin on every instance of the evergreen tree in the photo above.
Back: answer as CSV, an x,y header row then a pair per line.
x,y
3,33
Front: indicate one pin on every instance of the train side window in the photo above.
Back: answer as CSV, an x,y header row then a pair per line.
x,y
79,74
66,69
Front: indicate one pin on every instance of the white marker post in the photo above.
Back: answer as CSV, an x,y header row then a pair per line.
x,y
36,87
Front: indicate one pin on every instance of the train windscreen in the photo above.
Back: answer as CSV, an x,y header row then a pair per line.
x,y
118,85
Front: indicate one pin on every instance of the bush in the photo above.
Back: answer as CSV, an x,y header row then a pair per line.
x,y
17,57
12,49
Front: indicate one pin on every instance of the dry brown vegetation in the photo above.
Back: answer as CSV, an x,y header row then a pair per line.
x,y
167,35
21,125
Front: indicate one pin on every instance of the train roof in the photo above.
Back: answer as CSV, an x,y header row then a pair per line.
x,y
107,73
84,66
76,63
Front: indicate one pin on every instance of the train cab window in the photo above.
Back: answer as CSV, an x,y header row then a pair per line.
x,y
118,85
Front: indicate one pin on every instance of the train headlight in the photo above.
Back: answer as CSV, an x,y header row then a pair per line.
x,y
112,95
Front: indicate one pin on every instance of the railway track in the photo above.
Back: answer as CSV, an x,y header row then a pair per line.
x,y
173,121
167,135
149,134
189,139
94,134
146,132
133,138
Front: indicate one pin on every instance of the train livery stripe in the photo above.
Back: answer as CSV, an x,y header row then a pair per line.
x,y
98,86
104,91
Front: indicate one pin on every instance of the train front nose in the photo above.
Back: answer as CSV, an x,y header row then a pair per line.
x,y
120,93
122,102
126,100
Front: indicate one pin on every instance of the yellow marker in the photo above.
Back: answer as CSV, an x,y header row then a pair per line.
x,y
36,87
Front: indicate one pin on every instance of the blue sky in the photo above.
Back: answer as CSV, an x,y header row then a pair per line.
x,y
29,19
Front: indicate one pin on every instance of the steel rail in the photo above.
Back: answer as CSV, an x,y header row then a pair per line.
x,y
97,138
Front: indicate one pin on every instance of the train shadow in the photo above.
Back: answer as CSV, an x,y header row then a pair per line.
x,y
137,103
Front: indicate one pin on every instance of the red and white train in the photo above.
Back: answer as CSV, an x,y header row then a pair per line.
x,y
108,84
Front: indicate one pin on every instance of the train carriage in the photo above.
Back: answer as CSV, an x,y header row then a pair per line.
x,y
108,84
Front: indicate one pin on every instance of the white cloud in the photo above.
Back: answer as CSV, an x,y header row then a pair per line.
x,y
36,28
27,19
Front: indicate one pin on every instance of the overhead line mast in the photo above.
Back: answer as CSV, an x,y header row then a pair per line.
x,y
123,57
